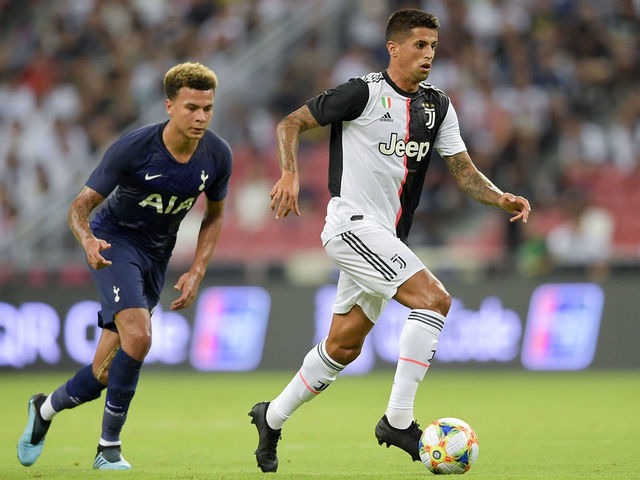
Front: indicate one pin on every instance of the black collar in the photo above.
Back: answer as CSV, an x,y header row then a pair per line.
x,y
398,89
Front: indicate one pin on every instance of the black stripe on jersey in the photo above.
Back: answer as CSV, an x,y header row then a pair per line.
x,y
427,319
372,259
330,363
420,130
335,160
343,103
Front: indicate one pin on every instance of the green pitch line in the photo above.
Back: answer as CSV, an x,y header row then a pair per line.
x,y
195,426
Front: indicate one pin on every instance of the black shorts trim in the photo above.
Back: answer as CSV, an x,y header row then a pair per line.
x,y
371,258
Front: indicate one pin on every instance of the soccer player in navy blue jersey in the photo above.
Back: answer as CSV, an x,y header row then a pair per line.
x,y
152,177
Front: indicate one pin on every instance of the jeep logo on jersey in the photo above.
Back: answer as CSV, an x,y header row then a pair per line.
x,y
399,147
155,200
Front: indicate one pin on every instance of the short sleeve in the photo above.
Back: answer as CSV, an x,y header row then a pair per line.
x,y
218,189
342,103
448,140
114,166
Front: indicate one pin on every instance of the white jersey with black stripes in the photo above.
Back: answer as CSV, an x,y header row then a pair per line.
x,y
381,144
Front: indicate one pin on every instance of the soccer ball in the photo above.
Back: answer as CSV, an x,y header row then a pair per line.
x,y
448,445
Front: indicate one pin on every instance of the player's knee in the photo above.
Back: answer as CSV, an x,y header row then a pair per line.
x,y
436,299
141,338
443,302
346,355
343,354
137,344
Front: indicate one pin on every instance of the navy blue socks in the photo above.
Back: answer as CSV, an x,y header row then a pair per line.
x,y
82,387
123,378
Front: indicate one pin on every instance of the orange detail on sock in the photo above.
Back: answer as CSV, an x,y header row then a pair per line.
x,y
306,384
426,365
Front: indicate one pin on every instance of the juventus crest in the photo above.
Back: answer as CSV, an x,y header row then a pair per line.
x,y
430,115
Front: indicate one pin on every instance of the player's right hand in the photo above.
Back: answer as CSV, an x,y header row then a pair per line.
x,y
93,246
284,195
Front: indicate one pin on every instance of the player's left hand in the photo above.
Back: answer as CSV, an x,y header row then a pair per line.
x,y
516,205
188,283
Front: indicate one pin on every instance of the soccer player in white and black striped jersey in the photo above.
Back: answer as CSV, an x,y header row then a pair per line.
x,y
384,127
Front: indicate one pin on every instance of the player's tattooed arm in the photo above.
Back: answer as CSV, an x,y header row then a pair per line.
x,y
284,194
471,180
78,219
288,134
480,188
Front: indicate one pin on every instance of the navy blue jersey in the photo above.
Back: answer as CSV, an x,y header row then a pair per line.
x,y
153,191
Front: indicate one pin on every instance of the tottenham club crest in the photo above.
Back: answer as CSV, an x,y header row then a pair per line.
x,y
203,177
430,114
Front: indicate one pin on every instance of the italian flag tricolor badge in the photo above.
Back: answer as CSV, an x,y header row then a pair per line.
x,y
386,102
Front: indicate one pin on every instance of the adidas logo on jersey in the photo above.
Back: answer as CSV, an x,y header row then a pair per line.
x,y
386,118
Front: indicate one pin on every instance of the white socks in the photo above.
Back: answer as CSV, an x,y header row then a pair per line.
x,y
418,343
47,412
318,371
107,443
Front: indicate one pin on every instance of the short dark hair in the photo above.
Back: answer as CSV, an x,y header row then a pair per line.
x,y
402,21
191,75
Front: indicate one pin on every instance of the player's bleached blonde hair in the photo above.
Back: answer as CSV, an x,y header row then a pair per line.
x,y
189,74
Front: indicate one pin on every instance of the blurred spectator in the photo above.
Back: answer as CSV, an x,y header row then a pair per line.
x,y
251,197
584,238
8,213
354,61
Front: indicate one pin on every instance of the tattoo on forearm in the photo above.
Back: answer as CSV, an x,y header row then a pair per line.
x,y
288,134
471,180
77,221
79,212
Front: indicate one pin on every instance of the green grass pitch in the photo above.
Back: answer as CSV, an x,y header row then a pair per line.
x,y
582,425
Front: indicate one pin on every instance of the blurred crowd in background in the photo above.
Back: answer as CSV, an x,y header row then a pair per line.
x,y
547,93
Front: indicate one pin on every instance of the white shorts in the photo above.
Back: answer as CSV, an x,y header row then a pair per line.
x,y
373,264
